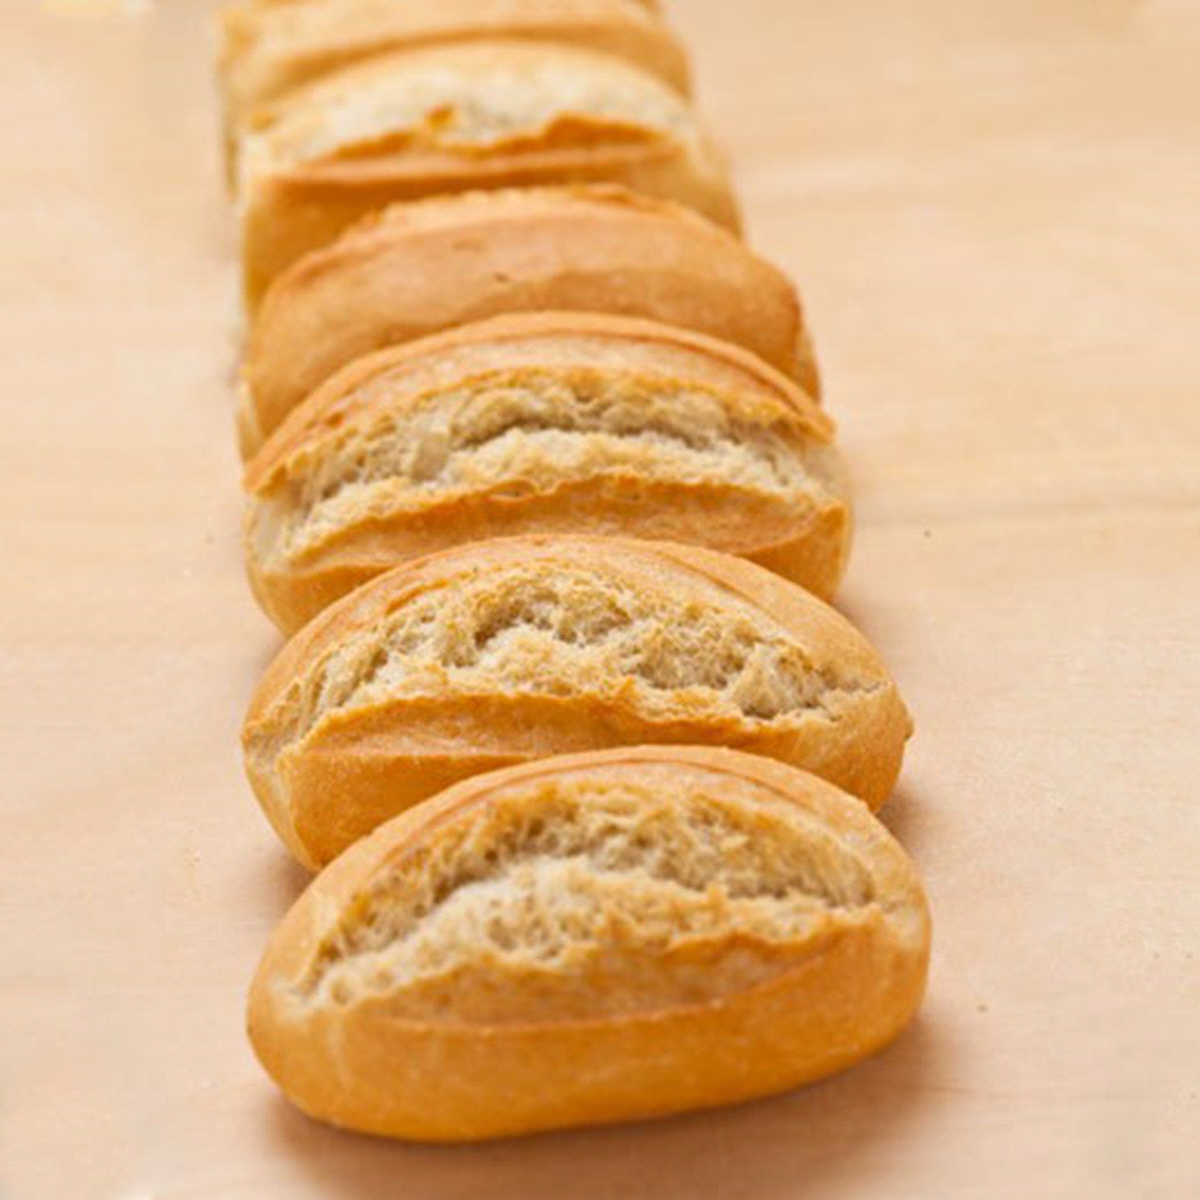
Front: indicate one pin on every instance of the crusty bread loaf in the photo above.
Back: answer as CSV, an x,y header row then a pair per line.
x,y
430,265
593,938
269,50
543,423
504,651
483,114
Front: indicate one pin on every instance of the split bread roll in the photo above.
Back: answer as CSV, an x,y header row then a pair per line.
x,y
595,938
421,267
501,652
543,423
270,49
484,114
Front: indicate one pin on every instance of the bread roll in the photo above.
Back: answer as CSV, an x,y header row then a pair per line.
x,y
543,423
422,267
484,114
500,652
594,938
269,50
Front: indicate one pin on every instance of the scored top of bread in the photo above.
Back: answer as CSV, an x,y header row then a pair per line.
x,y
464,98
482,114
539,423
592,938
269,50
421,267
502,651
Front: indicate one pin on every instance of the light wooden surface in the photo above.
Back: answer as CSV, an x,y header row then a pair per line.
x,y
994,212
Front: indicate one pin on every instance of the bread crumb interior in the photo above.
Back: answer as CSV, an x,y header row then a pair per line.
x,y
616,873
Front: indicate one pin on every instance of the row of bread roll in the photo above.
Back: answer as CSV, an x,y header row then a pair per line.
x,y
539,480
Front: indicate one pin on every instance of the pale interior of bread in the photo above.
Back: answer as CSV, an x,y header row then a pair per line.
x,y
663,644
534,430
610,873
468,97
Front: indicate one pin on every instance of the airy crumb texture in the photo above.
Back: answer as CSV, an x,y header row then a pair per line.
x,y
507,433
598,871
509,650
514,628
466,98
468,116
268,50
542,423
591,938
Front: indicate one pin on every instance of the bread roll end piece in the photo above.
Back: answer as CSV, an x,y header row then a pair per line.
x,y
597,938
478,115
270,50
543,423
423,267
503,652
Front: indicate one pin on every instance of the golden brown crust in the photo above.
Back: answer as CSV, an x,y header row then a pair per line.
x,y
543,423
477,115
420,268
499,652
710,361
578,941
270,50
